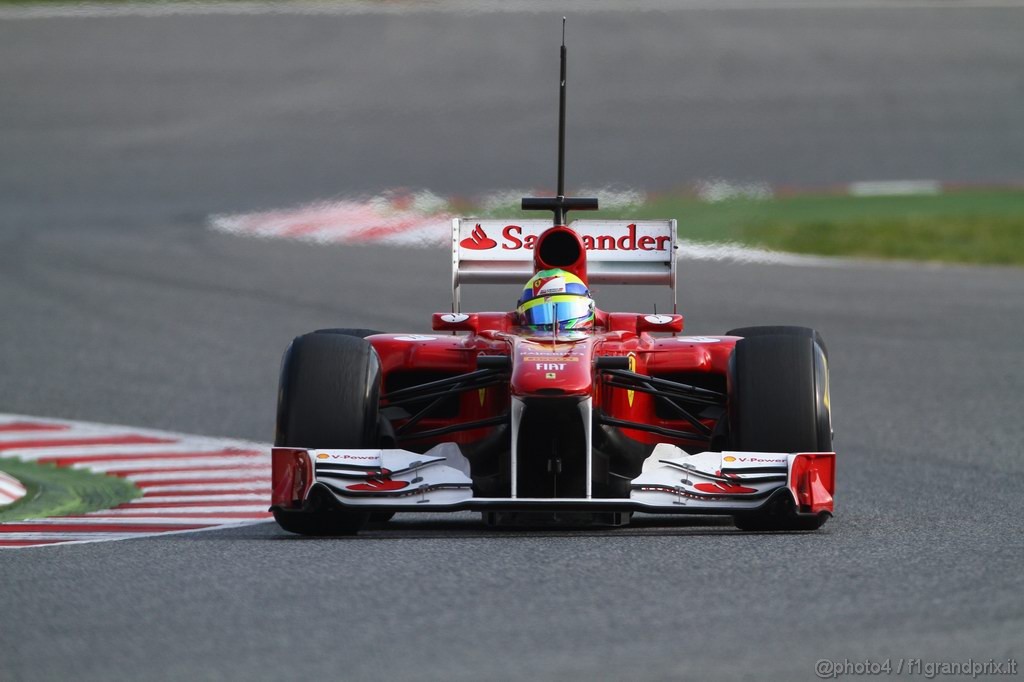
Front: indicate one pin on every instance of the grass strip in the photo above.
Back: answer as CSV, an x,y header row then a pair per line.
x,y
60,491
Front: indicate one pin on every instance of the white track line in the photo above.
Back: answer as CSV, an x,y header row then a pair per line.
x,y
97,520
54,538
207,487
198,475
114,466
61,539
212,497
737,253
128,510
891,188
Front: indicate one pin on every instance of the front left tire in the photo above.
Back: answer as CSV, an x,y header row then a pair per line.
x,y
328,397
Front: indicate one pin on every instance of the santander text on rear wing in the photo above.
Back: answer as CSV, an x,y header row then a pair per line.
x,y
618,251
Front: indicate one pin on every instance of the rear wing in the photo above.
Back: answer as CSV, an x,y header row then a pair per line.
x,y
618,251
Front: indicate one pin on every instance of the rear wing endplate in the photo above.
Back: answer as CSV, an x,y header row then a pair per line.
x,y
618,251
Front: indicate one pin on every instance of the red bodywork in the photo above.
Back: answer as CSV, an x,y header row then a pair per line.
x,y
572,415
554,396
543,369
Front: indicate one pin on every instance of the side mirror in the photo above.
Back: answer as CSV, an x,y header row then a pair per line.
x,y
454,322
659,323
631,322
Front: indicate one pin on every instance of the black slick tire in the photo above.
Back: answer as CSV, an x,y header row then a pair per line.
x,y
376,518
779,402
781,330
327,398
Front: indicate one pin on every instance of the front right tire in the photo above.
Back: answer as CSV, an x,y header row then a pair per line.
x,y
779,401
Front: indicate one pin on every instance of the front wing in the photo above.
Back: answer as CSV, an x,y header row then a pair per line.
x,y
671,482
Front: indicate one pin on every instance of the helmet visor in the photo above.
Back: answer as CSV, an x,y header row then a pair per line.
x,y
569,312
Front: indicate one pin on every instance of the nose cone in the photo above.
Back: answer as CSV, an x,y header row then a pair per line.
x,y
546,368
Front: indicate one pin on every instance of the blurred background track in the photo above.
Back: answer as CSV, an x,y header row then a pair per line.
x,y
120,136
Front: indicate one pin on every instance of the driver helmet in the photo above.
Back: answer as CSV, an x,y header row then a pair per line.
x,y
556,297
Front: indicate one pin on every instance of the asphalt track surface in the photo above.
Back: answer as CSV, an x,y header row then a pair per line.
x,y
118,305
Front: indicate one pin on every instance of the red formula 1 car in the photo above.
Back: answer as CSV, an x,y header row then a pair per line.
x,y
557,411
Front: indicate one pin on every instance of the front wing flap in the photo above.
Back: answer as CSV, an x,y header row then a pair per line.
x,y
671,481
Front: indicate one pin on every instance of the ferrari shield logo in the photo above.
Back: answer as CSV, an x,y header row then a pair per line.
x,y
632,368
